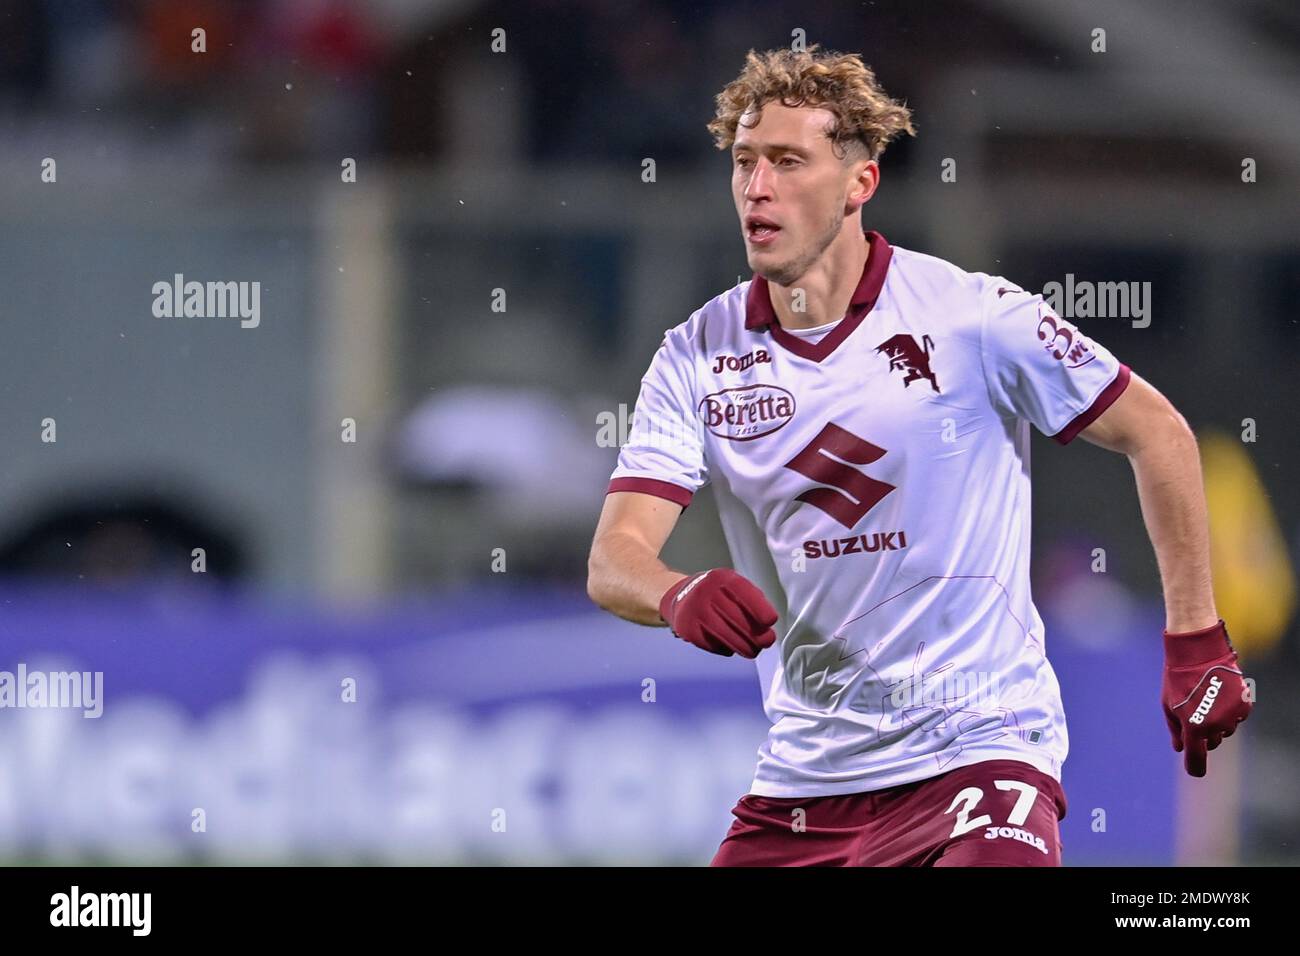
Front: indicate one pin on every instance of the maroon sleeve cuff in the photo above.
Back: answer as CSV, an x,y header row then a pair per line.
x,y
653,486
1099,405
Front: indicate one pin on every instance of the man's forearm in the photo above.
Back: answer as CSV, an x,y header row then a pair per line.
x,y
625,578
1168,471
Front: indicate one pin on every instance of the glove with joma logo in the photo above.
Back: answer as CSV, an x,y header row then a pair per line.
x,y
1205,695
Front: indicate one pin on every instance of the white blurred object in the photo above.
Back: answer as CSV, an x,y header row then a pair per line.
x,y
524,447
1095,611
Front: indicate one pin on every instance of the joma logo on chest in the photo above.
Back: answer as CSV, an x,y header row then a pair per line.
x,y
734,363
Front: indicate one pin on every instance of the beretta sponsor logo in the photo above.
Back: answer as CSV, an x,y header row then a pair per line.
x,y
747,412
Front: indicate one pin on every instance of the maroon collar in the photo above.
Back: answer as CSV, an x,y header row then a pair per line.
x,y
759,313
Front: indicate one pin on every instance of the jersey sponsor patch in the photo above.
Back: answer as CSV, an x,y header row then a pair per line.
x,y
747,412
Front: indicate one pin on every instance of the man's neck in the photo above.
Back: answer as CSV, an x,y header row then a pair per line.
x,y
826,289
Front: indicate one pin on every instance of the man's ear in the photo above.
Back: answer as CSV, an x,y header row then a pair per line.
x,y
864,185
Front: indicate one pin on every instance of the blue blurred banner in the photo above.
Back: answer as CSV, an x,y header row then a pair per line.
x,y
497,725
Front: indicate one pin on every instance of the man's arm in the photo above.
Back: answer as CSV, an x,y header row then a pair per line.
x,y
624,573
1204,693
1037,366
1161,447
717,610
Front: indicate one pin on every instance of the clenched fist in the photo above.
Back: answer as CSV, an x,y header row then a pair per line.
x,y
721,612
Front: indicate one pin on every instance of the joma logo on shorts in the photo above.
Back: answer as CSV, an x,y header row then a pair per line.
x,y
1207,701
1015,833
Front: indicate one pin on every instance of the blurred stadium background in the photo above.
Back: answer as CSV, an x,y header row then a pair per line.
x,y
438,560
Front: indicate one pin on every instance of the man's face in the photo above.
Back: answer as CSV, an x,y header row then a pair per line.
x,y
785,174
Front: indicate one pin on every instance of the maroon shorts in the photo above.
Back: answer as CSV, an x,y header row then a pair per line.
x,y
992,813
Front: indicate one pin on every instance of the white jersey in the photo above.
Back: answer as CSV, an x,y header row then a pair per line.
x,y
874,483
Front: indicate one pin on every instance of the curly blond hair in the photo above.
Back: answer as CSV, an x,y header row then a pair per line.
x,y
866,119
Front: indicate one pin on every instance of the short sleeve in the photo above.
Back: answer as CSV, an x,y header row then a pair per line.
x,y
664,453
1042,368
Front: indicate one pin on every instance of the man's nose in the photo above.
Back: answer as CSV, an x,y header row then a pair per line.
x,y
759,180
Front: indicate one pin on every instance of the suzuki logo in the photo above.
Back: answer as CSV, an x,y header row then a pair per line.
x,y
851,493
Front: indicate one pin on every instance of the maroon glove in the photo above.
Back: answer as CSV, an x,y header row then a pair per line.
x,y
721,612
1205,695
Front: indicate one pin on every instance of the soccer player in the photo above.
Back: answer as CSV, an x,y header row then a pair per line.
x,y
862,412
